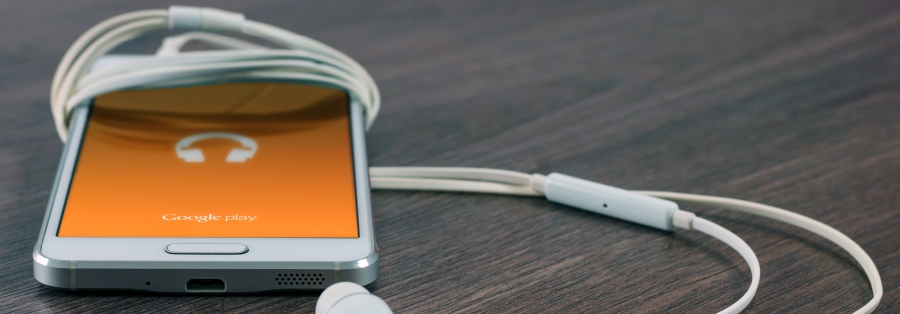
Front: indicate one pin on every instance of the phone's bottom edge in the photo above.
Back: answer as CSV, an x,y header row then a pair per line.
x,y
200,281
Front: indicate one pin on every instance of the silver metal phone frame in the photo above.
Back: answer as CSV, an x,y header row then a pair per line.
x,y
142,264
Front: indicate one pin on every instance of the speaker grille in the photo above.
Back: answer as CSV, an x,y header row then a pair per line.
x,y
300,279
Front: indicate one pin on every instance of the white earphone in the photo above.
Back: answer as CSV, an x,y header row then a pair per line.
x,y
235,155
349,298
307,60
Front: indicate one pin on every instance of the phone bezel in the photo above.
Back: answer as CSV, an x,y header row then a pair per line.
x,y
261,249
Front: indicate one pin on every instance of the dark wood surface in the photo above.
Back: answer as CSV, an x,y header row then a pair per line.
x,y
790,103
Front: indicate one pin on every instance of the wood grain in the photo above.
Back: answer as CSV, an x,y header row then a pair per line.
x,y
790,103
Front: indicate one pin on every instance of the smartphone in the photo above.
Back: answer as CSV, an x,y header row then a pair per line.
x,y
225,188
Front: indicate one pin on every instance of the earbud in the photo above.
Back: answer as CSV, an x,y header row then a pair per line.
x,y
350,298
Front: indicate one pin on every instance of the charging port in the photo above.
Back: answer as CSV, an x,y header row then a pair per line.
x,y
205,285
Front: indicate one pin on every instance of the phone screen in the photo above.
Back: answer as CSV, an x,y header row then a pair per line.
x,y
237,160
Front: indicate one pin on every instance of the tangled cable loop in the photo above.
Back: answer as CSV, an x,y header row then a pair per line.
x,y
303,60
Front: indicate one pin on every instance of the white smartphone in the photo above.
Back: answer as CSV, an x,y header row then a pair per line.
x,y
225,188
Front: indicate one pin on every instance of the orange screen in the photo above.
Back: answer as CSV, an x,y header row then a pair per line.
x,y
243,160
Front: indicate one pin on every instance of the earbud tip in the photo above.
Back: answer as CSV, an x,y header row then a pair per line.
x,y
342,290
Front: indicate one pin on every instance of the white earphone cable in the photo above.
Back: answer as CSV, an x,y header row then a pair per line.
x,y
305,60
473,179
796,220
735,242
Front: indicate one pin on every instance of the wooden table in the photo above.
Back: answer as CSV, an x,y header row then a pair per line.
x,y
790,103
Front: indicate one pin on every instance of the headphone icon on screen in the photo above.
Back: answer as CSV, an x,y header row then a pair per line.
x,y
196,155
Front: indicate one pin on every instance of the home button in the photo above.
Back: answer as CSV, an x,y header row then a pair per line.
x,y
207,248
